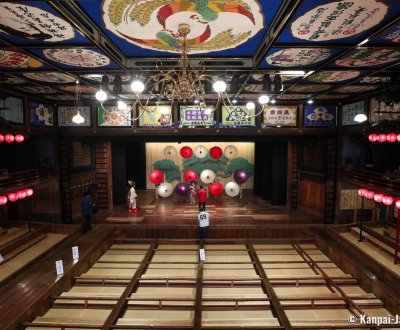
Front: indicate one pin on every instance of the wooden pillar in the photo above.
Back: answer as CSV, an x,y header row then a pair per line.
x,y
330,185
293,175
103,175
66,196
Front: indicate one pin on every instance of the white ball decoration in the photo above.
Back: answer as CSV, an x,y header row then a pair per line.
x,y
232,189
165,189
170,152
200,151
230,152
207,176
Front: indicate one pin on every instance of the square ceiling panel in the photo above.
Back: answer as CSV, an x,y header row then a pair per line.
x,y
333,22
35,22
150,28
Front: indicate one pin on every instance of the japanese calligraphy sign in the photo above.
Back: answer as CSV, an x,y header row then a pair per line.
x,y
349,111
192,115
294,57
237,115
369,57
280,116
77,57
333,76
10,59
65,115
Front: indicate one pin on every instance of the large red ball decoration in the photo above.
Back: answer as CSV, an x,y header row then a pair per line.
x,y
190,175
387,200
391,137
9,138
378,198
216,152
361,192
157,176
3,200
382,138
369,194
19,138
373,137
216,189
29,192
12,197
398,204
186,152
1,138
21,194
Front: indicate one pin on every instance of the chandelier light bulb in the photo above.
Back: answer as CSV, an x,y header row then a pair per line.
x,y
101,96
273,101
219,86
360,118
234,101
207,111
310,101
250,106
122,105
137,86
263,99
78,119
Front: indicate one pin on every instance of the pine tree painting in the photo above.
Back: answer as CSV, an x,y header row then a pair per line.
x,y
170,169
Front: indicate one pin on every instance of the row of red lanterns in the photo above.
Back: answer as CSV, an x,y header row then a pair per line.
x,y
391,137
14,196
9,138
380,198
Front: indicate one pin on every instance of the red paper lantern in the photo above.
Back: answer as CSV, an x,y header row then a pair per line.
x,y
381,138
216,189
29,192
186,152
373,137
21,194
157,176
398,137
3,200
369,194
1,138
216,152
19,138
9,138
387,200
398,204
391,137
361,192
190,175
378,198
12,197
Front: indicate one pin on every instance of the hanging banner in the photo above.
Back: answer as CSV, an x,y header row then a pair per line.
x,y
280,116
349,111
388,110
11,109
65,115
320,116
237,115
40,114
155,116
112,116
193,116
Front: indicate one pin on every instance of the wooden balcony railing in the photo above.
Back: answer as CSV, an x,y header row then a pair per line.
x,y
10,182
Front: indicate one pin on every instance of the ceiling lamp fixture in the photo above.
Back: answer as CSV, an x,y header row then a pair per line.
x,y
183,83
78,118
360,118
310,101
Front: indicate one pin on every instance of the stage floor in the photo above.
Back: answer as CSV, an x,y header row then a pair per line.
x,y
224,210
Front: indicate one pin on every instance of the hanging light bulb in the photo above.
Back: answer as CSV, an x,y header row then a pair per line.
x,y
263,99
137,86
360,118
78,119
101,96
250,106
122,105
219,86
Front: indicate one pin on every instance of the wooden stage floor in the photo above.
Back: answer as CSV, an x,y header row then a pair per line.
x,y
224,210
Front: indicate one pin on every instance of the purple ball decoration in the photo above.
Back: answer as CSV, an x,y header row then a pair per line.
x,y
182,188
240,176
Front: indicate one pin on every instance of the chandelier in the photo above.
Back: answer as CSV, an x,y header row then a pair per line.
x,y
182,84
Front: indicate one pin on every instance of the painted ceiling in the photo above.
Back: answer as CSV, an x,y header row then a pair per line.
x,y
345,48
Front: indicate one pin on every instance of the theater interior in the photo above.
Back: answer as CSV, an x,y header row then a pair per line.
x,y
286,111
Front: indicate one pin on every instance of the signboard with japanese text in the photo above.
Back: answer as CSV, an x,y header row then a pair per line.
x,y
194,116
280,116
65,115
11,109
236,116
349,111
320,115
155,116
113,116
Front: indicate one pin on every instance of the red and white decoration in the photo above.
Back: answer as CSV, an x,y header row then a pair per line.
x,y
10,138
16,195
391,137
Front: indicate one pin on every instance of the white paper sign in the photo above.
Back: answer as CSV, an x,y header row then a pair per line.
x,y
75,253
202,255
1,259
59,267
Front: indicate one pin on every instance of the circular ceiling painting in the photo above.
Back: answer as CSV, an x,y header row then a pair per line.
x,y
214,24
77,57
11,59
332,96
355,89
309,88
51,77
98,77
333,76
393,34
260,76
290,57
369,57
338,20
292,96
85,89
14,80
61,97
37,89
19,20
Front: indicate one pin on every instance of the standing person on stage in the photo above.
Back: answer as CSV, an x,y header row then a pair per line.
x,y
192,193
132,197
202,194
86,209
204,221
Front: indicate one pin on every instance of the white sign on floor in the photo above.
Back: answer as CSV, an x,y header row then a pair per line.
x,y
59,268
75,253
202,255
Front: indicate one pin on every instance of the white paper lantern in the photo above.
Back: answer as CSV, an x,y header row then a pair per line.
x,y
165,189
207,176
232,189
200,151
230,152
170,152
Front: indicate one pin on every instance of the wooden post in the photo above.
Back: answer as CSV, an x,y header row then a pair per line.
x,y
241,191
361,220
396,253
